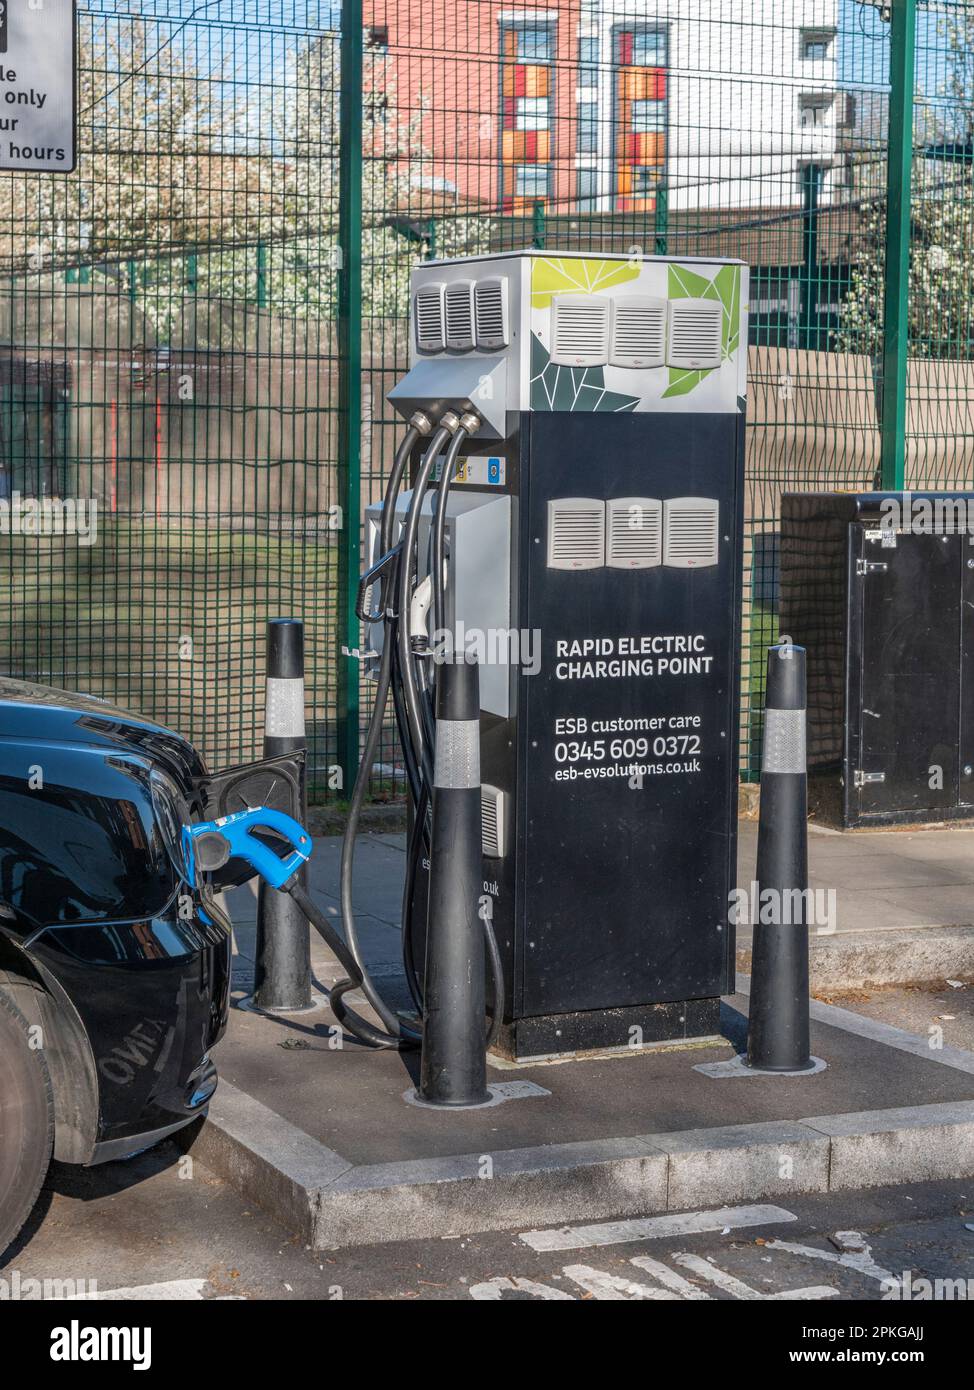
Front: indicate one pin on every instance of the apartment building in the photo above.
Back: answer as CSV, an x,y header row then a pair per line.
x,y
605,106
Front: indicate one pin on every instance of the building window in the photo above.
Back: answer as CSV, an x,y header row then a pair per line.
x,y
534,42
816,45
588,127
645,181
648,48
639,80
588,189
648,116
377,37
527,110
532,181
588,61
532,113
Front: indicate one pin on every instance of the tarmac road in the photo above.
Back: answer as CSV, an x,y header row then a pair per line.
x,y
159,1227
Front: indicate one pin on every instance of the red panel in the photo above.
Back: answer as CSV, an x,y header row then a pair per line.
x,y
520,81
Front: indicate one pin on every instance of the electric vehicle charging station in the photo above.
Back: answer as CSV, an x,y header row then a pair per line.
x,y
590,549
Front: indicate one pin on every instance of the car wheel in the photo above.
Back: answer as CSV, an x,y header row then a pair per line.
x,y
26,1121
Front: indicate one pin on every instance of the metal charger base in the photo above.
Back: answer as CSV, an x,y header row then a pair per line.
x,y
251,1006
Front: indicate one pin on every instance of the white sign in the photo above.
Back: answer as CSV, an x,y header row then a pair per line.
x,y
37,85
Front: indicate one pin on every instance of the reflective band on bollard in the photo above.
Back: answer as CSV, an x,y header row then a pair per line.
x,y
778,1029
453,1070
282,980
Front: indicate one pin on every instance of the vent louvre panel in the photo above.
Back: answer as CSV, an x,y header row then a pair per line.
x,y
634,533
638,331
428,312
576,533
490,313
493,810
459,315
695,333
580,330
691,527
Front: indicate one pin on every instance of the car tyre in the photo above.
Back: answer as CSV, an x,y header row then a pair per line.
x,y
26,1120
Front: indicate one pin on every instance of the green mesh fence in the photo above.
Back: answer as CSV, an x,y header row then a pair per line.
x,y
175,341
168,365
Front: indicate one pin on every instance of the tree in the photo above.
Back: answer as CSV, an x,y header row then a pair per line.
x,y
941,275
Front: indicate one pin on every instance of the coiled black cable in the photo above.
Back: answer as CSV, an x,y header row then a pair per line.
x,y
414,717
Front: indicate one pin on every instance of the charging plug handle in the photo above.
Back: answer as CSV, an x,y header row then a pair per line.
x,y
210,843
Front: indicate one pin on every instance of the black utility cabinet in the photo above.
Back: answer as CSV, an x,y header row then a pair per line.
x,y
879,587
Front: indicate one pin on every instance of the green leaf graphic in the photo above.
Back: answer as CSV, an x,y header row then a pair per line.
x,y
685,283
682,381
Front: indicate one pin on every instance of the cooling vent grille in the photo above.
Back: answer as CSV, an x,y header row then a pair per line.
x,y
576,533
695,333
493,807
430,331
634,533
580,330
490,313
459,315
691,532
638,331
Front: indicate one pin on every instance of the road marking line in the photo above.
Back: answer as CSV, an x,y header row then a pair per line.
x,y
173,1289
493,1290
738,1289
861,1261
614,1288
670,1279
653,1227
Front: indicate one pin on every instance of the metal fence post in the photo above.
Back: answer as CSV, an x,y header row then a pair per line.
x,y
261,275
349,378
899,171
807,322
538,229
662,219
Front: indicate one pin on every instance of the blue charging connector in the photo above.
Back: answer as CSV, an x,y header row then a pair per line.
x,y
209,844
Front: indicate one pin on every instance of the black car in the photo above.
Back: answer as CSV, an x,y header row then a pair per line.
x,y
114,969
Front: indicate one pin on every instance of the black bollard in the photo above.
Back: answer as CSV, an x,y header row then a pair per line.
x,y
777,1030
453,1069
282,981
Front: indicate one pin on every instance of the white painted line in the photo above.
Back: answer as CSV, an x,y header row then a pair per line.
x,y
703,1269
653,1227
180,1290
616,1288
885,1033
670,1279
861,1261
